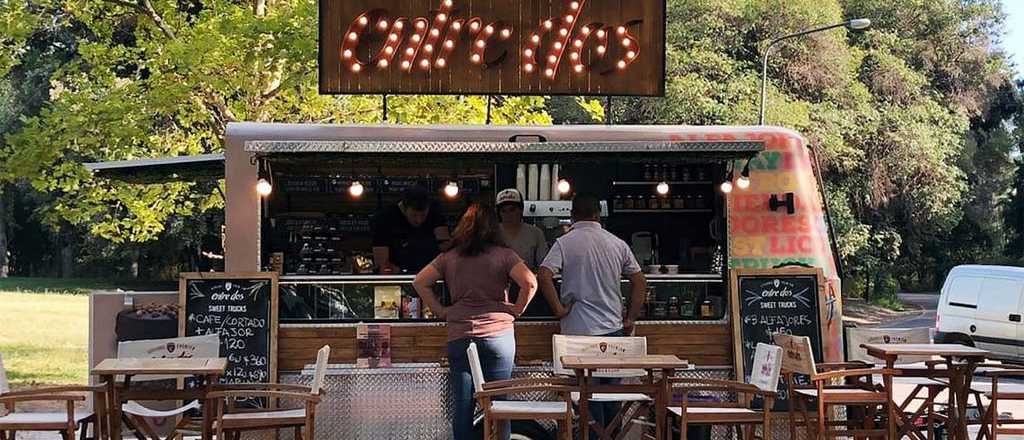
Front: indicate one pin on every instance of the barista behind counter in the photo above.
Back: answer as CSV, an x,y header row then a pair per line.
x,y
407,236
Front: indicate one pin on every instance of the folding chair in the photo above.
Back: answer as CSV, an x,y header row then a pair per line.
x,y
65,422
858,392
138,417
231,420
764,381
565,345
494,410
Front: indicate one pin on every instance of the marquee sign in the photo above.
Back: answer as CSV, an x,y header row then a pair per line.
x,y
501,47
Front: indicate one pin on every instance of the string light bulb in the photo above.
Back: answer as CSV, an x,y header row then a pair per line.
x,y
451,189
356,189
744,181
263,187
726,186
564,186
662,188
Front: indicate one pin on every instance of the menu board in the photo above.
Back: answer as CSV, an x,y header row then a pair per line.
x,y
770,302
241,308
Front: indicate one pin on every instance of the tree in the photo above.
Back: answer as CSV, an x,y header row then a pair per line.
x,y
161,78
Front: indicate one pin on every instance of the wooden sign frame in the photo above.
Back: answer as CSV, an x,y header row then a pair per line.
x,y
734,303
185,277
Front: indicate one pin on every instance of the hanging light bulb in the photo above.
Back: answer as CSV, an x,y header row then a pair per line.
x,y
451,189
356,189
744,181
263,187
726,187
564,186
662,188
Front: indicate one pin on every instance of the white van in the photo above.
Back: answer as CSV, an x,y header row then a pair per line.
x,y
981,306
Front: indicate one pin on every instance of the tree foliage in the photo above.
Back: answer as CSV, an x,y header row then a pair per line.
x,y
910,116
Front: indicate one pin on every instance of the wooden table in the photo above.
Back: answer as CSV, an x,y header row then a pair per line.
x,y
658,388
959,375
208,370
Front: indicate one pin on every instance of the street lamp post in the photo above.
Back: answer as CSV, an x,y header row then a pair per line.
x,y
856,24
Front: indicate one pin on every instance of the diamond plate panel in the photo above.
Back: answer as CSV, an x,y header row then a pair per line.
x,y
408,401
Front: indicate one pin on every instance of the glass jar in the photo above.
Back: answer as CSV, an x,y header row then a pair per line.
x,y
629,203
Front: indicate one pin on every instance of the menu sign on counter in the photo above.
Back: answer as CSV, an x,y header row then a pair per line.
x,y
767,302
241,308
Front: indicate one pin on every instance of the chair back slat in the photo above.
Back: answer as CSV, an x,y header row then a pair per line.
x,y
797,355
320,372
764,373
566,345
4,386
475,368
205,346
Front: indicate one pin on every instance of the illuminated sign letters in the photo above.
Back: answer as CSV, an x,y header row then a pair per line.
x,y
548,47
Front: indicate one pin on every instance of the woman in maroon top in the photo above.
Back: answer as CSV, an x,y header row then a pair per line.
x,y
477,271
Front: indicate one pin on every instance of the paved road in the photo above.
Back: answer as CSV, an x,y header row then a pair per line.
x,y
927,302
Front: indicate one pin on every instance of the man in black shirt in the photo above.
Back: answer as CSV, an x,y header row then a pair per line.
x,y
407,236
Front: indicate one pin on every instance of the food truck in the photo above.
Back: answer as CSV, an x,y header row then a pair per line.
x,y
673,193
697,206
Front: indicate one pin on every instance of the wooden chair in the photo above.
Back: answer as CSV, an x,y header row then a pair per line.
x,y
494,410
834,385
764,381
564,345
66,422
302,420
991,425
137,416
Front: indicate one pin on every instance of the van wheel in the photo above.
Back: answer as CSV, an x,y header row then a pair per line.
x,y
521,430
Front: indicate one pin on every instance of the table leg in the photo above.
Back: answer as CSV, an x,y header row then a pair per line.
x,y
584,376
208,407
891,413
661,405
113,408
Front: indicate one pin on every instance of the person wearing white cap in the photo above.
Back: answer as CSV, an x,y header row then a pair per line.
x,y
527,240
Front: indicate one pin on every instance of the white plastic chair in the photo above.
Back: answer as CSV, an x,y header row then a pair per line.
x,y
494,410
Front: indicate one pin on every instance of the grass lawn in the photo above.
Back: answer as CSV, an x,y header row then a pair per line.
x,y
44,336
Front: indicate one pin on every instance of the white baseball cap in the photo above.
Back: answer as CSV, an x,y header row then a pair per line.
x,y
510,195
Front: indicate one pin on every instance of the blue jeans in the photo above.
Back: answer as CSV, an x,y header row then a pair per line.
x,y
602,413
497,357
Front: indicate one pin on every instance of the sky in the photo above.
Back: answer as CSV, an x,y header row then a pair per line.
x,y
1013,42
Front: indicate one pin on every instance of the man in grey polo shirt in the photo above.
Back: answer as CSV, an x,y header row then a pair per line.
x,y
592,262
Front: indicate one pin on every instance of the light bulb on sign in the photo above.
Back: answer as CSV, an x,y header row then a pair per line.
x,y
505,33
451,189
363,20
263,187
355,189
662,188
563,186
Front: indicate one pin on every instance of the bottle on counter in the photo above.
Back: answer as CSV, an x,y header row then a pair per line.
x,y
521,178
652,202
532,184
545,182
673,307
617,202
555,194
666,202
629,203
706,309
673,173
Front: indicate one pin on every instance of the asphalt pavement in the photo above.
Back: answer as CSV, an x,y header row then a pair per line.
x,y
925,302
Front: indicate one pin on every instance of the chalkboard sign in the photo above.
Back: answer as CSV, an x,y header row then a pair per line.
x,y
242,309
772,301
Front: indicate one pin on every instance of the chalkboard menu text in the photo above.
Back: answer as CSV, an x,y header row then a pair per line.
x,y
770,302
242,309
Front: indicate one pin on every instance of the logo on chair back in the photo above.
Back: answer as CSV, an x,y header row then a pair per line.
x,y
603,346
170,347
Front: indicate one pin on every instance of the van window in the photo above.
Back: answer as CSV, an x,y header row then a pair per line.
x,y
998,297
963,292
